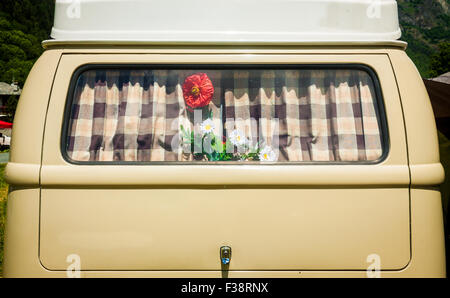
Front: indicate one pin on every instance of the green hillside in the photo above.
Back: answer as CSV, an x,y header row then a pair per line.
x,y
425,26
23,25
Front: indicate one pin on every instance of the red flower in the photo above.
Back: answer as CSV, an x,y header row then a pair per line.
x,y
197,91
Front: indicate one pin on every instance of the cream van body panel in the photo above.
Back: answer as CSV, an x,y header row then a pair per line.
x,y
333,216
22,246
259,211
21,255
26,147
268,229
420,124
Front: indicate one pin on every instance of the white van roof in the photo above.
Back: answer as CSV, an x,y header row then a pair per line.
x,y
226,21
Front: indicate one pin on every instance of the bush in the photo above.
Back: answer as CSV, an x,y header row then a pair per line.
x,y
440,62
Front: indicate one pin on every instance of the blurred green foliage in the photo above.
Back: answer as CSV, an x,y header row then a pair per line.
x,y
440,61
425,26
23,25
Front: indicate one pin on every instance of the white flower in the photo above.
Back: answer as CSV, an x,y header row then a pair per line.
x,y
237,138
267,154
207,126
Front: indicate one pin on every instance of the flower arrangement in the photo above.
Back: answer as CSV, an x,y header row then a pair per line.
x,y
198,91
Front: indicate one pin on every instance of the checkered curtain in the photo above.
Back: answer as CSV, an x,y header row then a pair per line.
x,y
306,115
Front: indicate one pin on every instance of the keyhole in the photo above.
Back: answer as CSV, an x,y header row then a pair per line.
x,y
225,255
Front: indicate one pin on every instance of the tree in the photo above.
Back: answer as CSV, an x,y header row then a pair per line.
x,y
440,62
23,25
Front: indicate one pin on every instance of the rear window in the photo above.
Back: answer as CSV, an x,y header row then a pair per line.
x,y
222,114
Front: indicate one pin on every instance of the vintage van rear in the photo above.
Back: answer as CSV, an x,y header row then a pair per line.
x,y
280,139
